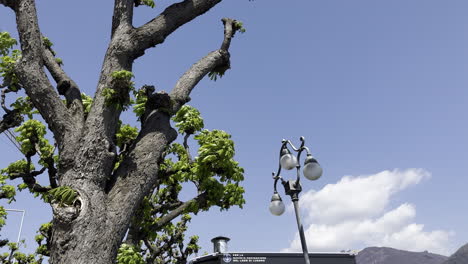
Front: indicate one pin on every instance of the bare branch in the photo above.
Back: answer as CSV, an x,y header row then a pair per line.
x,y
32,76
174,16
218,59
10,119
3,97
29,179
123,14
49,161
65,85
8,3
187,148
200,199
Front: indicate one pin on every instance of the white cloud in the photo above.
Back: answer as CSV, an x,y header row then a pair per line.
x,y
353,214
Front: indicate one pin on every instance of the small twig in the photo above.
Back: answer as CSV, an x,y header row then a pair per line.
x,y
187,148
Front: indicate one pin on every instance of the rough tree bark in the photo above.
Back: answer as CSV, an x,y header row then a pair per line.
x,y
92,230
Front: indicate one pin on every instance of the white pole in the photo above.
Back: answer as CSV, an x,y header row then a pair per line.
x,y
22,219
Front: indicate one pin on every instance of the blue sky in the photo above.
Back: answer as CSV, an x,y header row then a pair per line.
x,y
377,88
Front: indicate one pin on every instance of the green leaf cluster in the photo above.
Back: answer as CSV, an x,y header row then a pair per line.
x,y
8,60
140,102
31,137
47,43
218,72
122,75
87,102
125,135
188,120
6,43
8,191
17,167
63,195
149,3
238,26
3,215
214,171
129,255
59,61
16,257
24,106
118,95
42,238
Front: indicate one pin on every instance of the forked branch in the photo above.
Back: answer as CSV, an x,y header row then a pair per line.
x,y
174,16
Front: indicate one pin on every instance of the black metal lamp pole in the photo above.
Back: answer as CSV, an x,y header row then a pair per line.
x,y
312,171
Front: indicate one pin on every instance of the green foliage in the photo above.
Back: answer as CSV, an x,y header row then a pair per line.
x,y
188,120
129,255
140,103
24,106
63,195
18,167
6,43
218,72
215,157
45,228
3,215
47,43
87,102
16,257
8,60
42,238
238,26
214,170
118,95
7,70
31,137
22,186
125,135
59,61
8,191
149,3
215,74
122,75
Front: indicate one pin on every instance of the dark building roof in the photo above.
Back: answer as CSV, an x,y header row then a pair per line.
x,y
275,258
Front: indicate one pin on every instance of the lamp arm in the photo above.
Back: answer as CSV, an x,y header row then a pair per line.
x,y
276,178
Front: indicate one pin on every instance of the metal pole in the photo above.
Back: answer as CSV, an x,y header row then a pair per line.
x,y
21,224
301,231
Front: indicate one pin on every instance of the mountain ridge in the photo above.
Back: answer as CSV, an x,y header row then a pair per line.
x,y
386,255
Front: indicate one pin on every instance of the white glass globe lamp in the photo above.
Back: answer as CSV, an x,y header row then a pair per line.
x,y
312,169
287,160
276,206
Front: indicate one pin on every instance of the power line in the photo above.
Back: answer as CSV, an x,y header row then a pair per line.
x,y
12,139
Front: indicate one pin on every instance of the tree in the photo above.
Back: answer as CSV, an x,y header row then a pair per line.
x,y
113,187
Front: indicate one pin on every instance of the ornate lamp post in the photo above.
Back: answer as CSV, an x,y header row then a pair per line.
x,y
311,171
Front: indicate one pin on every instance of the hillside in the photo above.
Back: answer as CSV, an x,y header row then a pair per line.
x,y
385,255
459,257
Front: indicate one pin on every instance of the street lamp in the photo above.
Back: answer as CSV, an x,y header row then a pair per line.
x,y
311,171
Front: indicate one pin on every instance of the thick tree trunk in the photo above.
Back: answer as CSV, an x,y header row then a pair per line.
x,y
92,229
88,238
